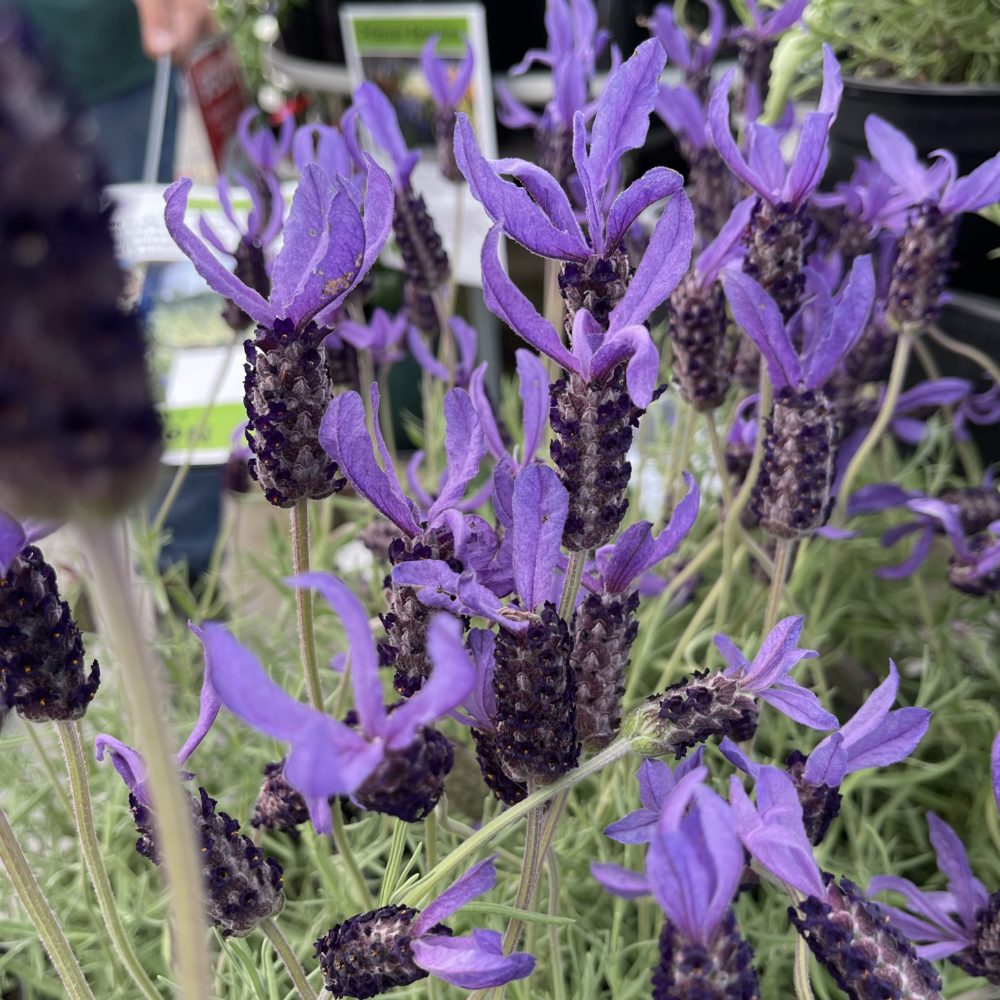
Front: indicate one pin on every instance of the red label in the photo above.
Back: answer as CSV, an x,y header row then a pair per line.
x,y
217,83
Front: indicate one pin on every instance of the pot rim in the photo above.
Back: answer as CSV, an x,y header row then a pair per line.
x,y
913,88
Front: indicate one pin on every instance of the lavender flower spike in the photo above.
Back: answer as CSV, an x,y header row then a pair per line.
x,y
792,496
398,945
756,43
448,90
724,703
689,52
381,336
867,957
391,762
263,150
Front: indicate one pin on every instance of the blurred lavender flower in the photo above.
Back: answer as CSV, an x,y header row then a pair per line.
x,y
447,91
938,197
425,262
793,491
962,924
689,51
724,702
398,945
604,623
574,43
444,532
693,868
263,149
381,336
703,349
466,339
876,736
43,674
389,761
242,885
534,681
867,957
328,248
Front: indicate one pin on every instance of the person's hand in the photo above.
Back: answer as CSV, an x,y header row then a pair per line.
x,y
171,27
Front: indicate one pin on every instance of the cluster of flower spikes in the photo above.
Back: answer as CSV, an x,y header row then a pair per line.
x,y
611,371
83,436
329,246
243,886
43,670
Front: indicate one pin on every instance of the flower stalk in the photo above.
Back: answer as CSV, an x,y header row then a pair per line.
x,y
272,932
304,602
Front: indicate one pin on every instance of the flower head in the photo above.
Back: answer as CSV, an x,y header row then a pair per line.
x,y
379,116
381,336
447,88
688,52
770,22
264,150
334,150
466,338
17,535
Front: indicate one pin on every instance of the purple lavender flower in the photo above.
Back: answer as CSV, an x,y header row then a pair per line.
x,y
876,736
610,373
574,43
332,149
263,149
537,213
780,221
381,336
390,761
939,197
242,885
447,91
604,623
425,262
260,230
867,957
534,681
724,702
961,924
398,945
690,52
43,675
693,869
792,495
703,349
466,339
328,248
445,532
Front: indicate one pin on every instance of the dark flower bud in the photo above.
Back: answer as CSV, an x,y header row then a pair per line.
x,y
420,309
978,507
279,807
775,253
42,661
444,139
370,953
342,365
597,286
689,712
866,956
754,57
965,574
79,431
535,688
592,424
378,537
712,191
721,970
604,627
287,390
425,262
242,885
983,959
703,347
920,273
791,497
508,791
251,269
871,357
820,803
554,152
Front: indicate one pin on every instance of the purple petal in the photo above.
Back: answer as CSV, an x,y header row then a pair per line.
x,y
540,506
12,540
477,880
651,187
738,758
212,237
511,112
827,764
620,881
467,338
718,123
979,189
465,448
736,662
424,356
380,119
424,499
780,20
995,769
727,246
643,368
799,704
759,317
591,192
534,390
947,514
205,263
364,659
933,392
546,191
209,705
895,740
487,420
451,679
505,299
503,494
810,160
471,963
664,263
683,113
764,155
897,156
916,558
969,893
436,72
523,219
877,497
127,761
872,713
637,827
778,653
344,437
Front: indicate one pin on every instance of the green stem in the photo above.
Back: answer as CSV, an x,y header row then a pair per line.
x,y
446,341
344,850
720,460
366,376
30,893
528,879
777,588
55,778
422,889
555,951
146,694
896,375
76,768
984,361
458,188
271,931
431,838
571,584
304,602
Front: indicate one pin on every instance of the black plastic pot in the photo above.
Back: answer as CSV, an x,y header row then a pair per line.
x,y
964,118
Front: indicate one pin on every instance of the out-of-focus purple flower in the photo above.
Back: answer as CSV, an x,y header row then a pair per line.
x,y
466,338
395,946
690,52
263,149
332,149
447,87
771,21
17,535
381,336
981,408
533,387
330,758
